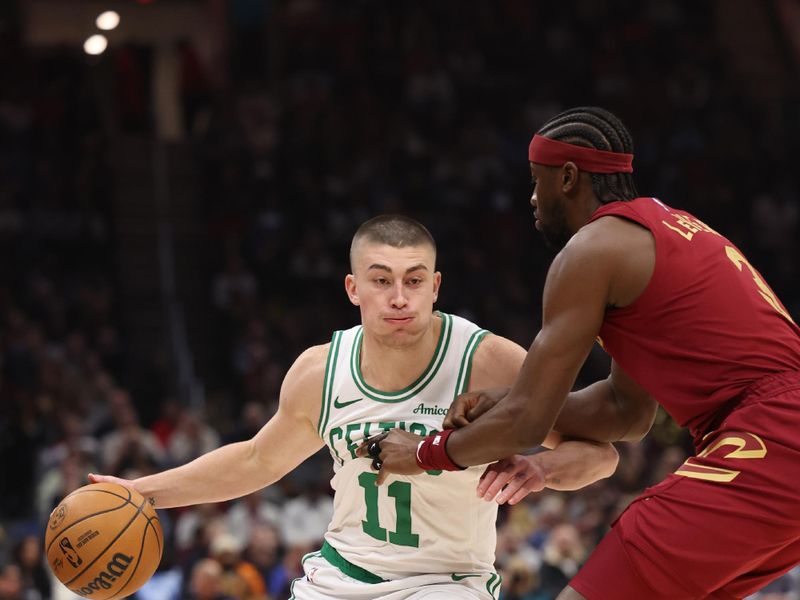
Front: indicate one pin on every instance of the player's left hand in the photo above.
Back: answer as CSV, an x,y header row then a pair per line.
x,y
398,453
511,479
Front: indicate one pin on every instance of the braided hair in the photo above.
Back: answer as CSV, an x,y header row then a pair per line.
x,y
594,127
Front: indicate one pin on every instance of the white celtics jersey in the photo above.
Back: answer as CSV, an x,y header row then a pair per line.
x,y
427,523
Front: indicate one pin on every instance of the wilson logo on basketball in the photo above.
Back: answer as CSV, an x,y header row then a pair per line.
x,y
114,569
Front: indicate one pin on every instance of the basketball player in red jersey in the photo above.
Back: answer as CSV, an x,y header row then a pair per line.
x,y
689,323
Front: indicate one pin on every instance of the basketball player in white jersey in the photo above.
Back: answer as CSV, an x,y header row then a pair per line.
x,y
423,536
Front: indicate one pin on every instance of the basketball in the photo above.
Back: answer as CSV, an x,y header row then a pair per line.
x,y
103,541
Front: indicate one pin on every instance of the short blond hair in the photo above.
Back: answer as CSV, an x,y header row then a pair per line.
x,y
397,231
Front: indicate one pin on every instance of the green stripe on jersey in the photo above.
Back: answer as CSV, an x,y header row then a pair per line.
x,y
416,387
493,589
465,370
330,554
327,385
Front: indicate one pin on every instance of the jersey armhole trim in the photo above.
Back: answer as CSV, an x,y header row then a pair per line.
x,y
327,385
465,370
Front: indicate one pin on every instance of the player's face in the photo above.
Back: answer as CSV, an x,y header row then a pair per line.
x,y
395,288
548,205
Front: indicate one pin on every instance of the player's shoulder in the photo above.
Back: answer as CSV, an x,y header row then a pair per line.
x,y
496,362
497,345
313,355
304,380
608,233
310,364
605,242
611,255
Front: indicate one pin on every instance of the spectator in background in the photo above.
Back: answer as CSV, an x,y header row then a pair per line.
x,y
12,586
234,289
206,581
562,555
289,569
308,509
240,579
94,403
250,511
167,421
521,582
74,438
192,437
194,528
512,550
129,446
59,480
113,404
252,418
264,552
28,557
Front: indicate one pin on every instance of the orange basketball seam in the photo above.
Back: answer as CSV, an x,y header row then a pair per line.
x,y
155,531
83,490
141,552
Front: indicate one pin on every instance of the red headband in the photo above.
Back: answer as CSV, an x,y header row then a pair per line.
x,y
554,154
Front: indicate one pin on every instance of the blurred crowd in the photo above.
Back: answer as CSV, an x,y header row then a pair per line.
x,y
332,114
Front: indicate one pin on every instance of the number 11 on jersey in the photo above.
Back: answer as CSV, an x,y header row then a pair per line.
x,y
401,492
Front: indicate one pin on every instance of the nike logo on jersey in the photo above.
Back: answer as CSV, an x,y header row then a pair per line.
x,y
457,577
338,404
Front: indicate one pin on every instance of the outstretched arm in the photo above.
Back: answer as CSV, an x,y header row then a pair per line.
x,y
238,469
615,409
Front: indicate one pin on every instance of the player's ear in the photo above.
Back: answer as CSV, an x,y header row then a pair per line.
x,y
350,288
569,176
437,281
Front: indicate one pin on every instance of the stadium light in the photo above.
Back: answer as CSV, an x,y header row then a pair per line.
x,y
95,44
107,20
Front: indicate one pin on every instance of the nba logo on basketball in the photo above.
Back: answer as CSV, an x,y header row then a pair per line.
x,y
69,552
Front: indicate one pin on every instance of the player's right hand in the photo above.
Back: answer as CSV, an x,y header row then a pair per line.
x,y
469,406
110,479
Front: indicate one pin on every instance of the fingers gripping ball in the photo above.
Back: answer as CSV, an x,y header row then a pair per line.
x,y
103,541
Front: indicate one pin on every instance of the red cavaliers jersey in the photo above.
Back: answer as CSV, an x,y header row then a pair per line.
x,y
706,326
